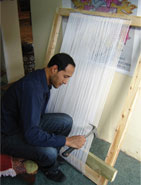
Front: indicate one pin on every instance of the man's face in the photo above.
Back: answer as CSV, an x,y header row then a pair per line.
x,y
59,78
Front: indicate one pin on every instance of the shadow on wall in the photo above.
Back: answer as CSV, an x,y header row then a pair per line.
x,y
113,106
3,75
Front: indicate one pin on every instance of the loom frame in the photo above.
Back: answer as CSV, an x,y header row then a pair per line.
x,y
98,174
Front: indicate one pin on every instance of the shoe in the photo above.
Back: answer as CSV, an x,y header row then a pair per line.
x,y
60,160
56,176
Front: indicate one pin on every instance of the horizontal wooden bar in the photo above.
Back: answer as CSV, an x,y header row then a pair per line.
x,y
100,167
135,20
95,167
91,174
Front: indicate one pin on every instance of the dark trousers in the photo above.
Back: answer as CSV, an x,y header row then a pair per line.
x,y
15,145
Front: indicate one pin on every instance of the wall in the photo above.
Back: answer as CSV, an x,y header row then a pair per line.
x,y
132,140
2,60
111,113
11,40
42,17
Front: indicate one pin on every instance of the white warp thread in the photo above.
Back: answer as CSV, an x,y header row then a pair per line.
x,y
95,43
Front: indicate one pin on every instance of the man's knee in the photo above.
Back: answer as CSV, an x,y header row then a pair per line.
x,y
47,156
68,122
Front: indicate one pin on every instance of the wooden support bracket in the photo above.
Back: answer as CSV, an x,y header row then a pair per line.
x,y
95,167
100,167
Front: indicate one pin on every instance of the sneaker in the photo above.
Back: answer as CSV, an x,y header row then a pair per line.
x,y
56,176
60,160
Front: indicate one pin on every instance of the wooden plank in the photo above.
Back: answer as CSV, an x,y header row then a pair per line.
x,y
100,167
88,172
53,37
91,174
95,167
123,122
135,20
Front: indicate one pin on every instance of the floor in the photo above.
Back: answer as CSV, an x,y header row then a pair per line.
x,y
128,171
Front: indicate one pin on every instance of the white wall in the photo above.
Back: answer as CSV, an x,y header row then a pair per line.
x,y
111,114
132,141
11,40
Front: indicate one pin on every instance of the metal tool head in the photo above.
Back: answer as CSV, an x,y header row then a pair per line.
x,y
93,127
67,152
93,131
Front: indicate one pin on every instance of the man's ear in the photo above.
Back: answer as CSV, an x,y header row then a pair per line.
x,y
54,68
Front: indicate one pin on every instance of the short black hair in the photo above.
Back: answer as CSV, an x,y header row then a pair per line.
x,y
61,60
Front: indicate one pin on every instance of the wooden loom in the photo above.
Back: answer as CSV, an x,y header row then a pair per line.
x,y
97,170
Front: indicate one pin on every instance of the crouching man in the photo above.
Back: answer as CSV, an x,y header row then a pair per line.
x,y
26,130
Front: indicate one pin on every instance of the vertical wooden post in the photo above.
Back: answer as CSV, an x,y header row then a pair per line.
x,y
123,122
53,37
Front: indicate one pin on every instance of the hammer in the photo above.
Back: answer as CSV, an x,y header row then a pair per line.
x,y
67,152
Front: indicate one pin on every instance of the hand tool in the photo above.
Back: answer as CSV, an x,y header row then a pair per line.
x,y
70,149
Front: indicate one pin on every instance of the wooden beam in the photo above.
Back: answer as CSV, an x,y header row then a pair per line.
x,y
100,167
53,37
123,122
95,167
135,20
91,174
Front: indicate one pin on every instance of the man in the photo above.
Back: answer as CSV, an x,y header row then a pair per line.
x,y
27,131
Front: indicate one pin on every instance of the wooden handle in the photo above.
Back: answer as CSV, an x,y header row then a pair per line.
x,y
67,152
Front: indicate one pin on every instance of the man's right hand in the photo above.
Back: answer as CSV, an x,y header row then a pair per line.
x,y
75,141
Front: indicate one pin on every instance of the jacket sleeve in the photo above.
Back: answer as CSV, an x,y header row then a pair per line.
x,y
30,113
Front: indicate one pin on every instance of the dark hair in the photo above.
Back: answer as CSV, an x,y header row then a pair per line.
x,y
61,60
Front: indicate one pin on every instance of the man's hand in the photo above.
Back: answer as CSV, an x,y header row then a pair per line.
x,y
75,141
